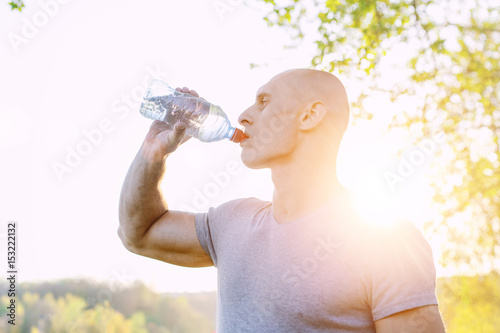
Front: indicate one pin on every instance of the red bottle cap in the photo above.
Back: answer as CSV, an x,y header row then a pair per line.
x,y
238,135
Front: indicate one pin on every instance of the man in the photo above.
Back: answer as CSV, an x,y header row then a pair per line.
x,y
304,262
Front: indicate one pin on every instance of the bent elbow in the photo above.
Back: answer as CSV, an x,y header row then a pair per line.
x,y
127,243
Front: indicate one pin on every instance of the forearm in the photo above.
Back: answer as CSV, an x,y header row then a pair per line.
x,y
141,200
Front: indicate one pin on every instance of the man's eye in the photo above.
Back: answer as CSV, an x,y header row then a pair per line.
x,y
263,102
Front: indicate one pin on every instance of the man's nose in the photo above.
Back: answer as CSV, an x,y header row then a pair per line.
x,y
244,118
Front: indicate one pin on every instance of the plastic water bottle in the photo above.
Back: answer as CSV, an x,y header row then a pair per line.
x,y
205,121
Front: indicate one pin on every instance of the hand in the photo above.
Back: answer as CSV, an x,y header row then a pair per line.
x,y
162,139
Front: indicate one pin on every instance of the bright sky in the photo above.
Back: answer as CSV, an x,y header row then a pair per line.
x,y
75,75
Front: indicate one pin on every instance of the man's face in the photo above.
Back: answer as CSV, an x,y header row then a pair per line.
x,y
271,124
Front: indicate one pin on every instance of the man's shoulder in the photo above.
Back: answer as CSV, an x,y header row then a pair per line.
x,y
242,206
400,243
395,233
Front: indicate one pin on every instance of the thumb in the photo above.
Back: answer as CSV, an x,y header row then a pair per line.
x,y
175,137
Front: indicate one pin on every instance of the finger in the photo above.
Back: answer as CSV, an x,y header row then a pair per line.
x,y
191,92
195,93
175,137
183,90
188,91
188,113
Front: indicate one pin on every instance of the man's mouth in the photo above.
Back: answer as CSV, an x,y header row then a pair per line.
x,y
245,139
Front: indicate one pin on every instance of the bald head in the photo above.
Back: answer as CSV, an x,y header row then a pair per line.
x,y
299,115
311,86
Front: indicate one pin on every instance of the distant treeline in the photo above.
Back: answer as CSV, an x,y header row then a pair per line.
x,y
468,304
87,306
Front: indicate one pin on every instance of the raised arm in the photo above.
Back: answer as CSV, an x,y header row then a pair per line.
x,y
147,227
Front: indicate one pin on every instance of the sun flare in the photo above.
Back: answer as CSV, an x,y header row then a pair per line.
x,y
381,195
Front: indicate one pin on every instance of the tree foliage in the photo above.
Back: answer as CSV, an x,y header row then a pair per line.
x,y
17,4
82,306
450,83
470,304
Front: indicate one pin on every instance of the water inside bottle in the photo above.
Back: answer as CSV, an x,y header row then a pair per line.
x,y
171,109
216,126
204,120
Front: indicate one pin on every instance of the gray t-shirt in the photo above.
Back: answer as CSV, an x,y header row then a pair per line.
x,y
328,271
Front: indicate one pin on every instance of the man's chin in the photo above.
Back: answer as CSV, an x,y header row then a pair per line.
x,y
250,159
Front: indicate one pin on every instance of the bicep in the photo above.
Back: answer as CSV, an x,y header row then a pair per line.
x,y
423,319
173,239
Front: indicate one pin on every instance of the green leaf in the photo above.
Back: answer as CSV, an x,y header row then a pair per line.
x,y
19,5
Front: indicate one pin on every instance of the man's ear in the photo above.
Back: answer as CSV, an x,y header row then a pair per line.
x,y
312,116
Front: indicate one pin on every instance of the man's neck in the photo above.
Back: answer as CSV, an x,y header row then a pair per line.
x,y
300,190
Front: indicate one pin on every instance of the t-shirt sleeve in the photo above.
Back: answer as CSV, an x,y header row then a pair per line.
x,y
214,226
402,275
204,233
